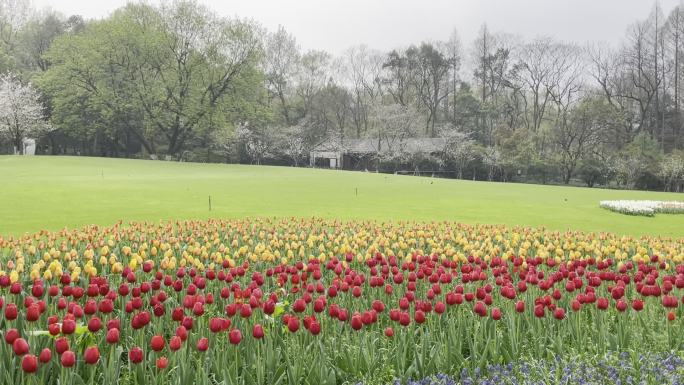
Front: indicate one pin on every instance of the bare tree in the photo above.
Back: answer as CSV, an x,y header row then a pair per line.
x,y
534,68
398,78
608,70
312,76
281,67
453,51
675,31
434,83
579,134
37,36
14,14
361,69
491,56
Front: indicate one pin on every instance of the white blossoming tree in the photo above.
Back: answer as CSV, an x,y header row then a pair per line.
x,y
21,112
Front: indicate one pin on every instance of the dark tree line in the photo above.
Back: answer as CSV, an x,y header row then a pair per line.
x,y
180,82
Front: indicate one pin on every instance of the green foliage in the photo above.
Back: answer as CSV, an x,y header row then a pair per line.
x,y
164,75
638,162
594,171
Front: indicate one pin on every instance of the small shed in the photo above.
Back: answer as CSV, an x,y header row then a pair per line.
x,y
327,154
29,146
358,153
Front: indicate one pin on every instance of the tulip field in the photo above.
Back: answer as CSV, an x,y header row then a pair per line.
x,y
325,301
169,273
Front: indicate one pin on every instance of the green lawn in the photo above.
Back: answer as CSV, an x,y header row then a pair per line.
x,y
53,192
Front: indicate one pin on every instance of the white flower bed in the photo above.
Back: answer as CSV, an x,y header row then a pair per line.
x,y
646,208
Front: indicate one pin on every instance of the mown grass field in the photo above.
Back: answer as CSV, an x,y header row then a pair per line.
x,y
53,192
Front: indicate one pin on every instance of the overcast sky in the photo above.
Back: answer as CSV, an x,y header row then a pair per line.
x,y
334,25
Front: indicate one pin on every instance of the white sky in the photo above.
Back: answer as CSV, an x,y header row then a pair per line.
x,y
334,25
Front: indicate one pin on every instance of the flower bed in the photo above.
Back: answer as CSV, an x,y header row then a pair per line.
x,y
625,368
311,301
643,207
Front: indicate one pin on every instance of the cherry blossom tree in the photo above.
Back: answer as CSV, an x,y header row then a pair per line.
x,y
21,112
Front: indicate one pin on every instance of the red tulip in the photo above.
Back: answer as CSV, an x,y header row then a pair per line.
x,y
91,355
671,316
68,359
157,343
342,315
106,306
187,323
404,319
245,311
33,313
356,291
175,343
496,314
182,332
11,335
11,312
216,325
602,303
315,328
269,307
637,305
45,355
258,331
520,306
389,332
299,305
20,347
293,324
480,309
378,306
29,363
68,326
231,309
61,345
112,336
113,324
198,309
94,325
135,355
559,313
670,301
419,316
319,305
177,314
235,336
203,344
356,322
162,363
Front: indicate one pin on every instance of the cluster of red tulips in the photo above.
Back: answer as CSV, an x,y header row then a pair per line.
x,y
143,320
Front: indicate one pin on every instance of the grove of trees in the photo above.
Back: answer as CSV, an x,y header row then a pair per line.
x,y
177,81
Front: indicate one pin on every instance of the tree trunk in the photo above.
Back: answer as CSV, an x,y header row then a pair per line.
x,y
567,176
19,145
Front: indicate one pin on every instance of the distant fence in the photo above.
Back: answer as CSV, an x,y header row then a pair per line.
x,y
425,172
